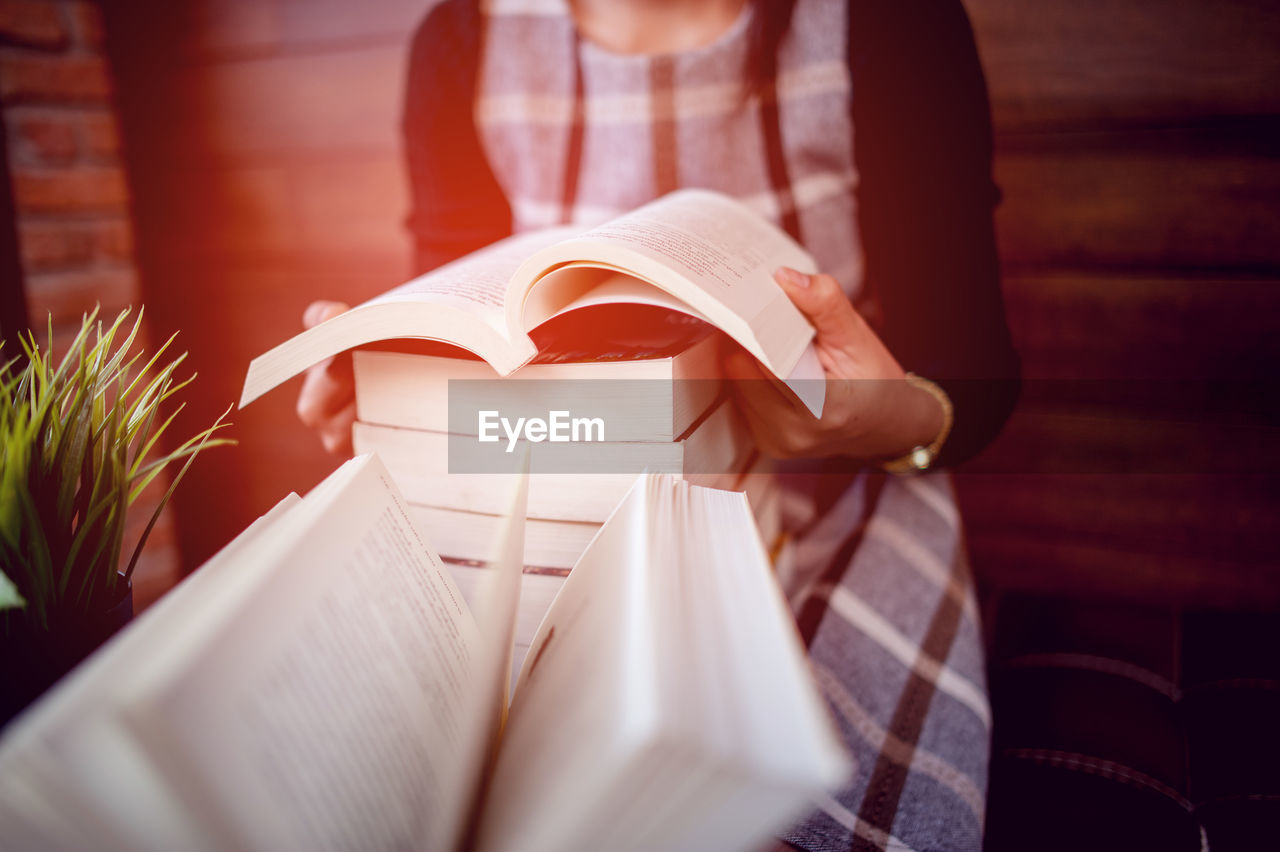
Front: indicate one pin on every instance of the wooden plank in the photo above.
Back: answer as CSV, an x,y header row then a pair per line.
x,y
1206,516
1081,324
223,210
1160,200
228,29
351,206
228,313
1100,442
343,210
221,495
232,311
284,108
1053,566
1090,63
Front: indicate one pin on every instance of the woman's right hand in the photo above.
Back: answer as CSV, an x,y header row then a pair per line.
x,y
327,402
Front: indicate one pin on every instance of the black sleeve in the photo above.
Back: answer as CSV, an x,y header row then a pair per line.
x,y
923,147
457,204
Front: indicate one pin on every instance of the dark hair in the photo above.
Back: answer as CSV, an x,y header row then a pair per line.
x,y
770,21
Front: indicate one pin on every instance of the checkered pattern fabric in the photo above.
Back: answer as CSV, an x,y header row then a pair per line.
x,y
882,593
623,130
877,573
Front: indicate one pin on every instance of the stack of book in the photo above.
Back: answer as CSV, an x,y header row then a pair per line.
x,y
694,254
669,418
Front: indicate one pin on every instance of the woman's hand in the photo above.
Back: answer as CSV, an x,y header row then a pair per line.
x,y
871,412
327,402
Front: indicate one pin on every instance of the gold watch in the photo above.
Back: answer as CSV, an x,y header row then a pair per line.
x,y
920,458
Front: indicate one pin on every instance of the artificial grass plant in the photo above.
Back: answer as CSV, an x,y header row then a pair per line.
x,y
78,446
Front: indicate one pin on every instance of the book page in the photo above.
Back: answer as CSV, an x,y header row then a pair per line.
x,y
477,282
330,711
738,688
666,702
70,754
567,736
701,247
460,303
497,602
577,285
33,811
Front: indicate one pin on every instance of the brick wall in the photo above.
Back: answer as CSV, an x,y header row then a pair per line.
x,y
71,197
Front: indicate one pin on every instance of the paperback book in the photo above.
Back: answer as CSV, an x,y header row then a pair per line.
x,y
323,684
694,252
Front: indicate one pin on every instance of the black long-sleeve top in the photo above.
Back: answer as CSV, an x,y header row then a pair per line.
x,y
923,150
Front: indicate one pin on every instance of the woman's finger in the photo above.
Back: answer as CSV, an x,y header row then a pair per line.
x,y
327,388
824,304
751,383
321,310
335,434
776,425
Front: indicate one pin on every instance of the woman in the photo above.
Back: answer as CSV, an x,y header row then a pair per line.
x,y
863,129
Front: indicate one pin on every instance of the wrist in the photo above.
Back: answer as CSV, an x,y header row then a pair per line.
x,y
931,419
896,416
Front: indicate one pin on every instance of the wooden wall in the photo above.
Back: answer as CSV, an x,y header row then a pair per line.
x,y
1137,149
262,142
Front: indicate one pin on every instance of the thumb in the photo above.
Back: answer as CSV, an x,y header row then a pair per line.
x,y
823,303
319,311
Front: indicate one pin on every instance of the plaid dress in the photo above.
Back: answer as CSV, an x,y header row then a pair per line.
x,y
875,570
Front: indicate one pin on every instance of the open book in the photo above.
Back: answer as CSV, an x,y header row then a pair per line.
x,y
654,393
321,684
693,251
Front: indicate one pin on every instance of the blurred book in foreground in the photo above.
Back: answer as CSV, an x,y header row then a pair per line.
x,y
321,683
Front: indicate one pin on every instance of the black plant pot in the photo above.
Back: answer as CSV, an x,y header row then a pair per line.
x,y
33,658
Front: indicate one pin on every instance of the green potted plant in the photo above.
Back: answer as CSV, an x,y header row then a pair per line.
x,y
78,446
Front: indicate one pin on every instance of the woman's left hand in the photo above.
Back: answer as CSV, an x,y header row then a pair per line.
x,y
871,411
